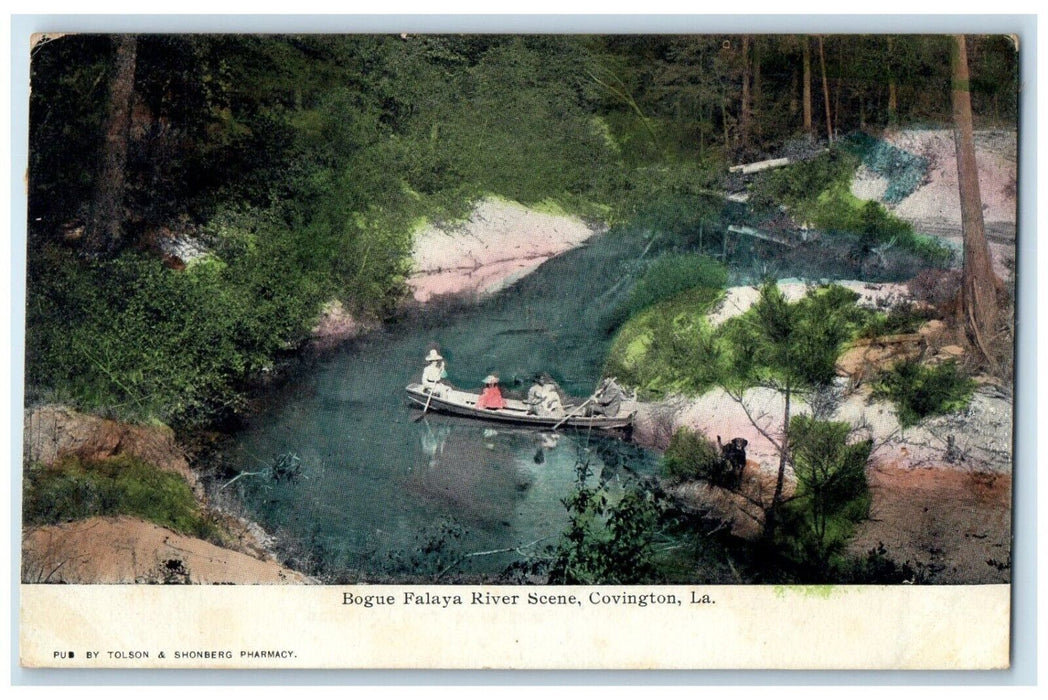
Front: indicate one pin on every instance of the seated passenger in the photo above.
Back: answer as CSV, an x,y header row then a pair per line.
x,y
491,397
548,396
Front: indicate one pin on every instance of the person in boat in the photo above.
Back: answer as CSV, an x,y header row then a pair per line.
x,y
608,399
544,398
434,373
491,397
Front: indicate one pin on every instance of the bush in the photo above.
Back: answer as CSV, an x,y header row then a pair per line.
x,y
667,277
919,391
907,318
691,455
122,485
608,541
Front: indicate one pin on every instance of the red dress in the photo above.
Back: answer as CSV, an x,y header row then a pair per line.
x,y
491,398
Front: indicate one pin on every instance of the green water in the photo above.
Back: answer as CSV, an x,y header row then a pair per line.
x,y
380,495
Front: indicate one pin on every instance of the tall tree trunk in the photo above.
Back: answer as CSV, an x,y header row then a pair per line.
x,y
755,107
806,86
893,96
979,283
825,92
744,111
105,228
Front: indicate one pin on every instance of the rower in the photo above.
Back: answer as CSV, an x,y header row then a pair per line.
x,y
491,397
434,373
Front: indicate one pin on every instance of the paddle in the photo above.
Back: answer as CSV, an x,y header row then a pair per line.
x,y
572,412
425,408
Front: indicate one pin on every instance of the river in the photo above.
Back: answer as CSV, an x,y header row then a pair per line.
x,y
375,495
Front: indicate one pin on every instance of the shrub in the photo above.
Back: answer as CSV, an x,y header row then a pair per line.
x,y
907,318
919,391
691,455
608,540
122,485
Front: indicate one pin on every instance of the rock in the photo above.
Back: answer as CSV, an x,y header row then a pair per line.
x,y
52,432
868,357
953,351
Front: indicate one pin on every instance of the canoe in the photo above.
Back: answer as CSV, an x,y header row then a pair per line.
x,y
464,403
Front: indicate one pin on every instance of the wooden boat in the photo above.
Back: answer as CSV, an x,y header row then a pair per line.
x,y
464,403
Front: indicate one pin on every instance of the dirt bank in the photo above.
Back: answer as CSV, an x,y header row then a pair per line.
x,y
52,432
952,526
129,550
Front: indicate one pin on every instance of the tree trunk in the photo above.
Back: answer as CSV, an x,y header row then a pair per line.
x,y
979,283
825,92
744,111
105,230
771,518
893,97
755,107
806,87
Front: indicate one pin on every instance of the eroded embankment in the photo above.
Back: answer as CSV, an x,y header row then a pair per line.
x,y
941,490
122,548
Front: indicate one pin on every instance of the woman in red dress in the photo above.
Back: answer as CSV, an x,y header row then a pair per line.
x,y
491,397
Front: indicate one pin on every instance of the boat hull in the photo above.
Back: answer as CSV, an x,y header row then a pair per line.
x,y
462,403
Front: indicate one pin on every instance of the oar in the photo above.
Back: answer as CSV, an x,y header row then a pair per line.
x,y
572,413
425,408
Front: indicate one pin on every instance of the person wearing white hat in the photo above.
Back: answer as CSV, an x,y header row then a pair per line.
x,y
434,373
491,397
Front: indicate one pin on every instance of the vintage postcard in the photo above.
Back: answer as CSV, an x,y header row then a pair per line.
x,y
520,351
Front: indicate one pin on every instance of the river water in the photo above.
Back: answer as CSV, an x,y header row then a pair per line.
x,y
379,496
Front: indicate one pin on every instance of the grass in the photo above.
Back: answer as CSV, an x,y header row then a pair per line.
x,y
73,489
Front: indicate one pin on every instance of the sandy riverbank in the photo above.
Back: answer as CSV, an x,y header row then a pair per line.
x,y
500,243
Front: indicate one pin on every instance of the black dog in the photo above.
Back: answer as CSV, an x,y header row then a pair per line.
x,y
733,456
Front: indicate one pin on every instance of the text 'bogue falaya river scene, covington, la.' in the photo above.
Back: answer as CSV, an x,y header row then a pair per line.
x,y
647,315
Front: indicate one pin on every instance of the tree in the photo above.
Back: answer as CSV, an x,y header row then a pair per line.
x,y
806,86
979,283
793,349
825,91
105,229
832,491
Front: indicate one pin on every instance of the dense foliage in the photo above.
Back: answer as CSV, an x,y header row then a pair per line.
x,y
692,455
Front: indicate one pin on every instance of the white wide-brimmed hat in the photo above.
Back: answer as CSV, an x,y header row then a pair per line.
x,y
491,379
433,356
